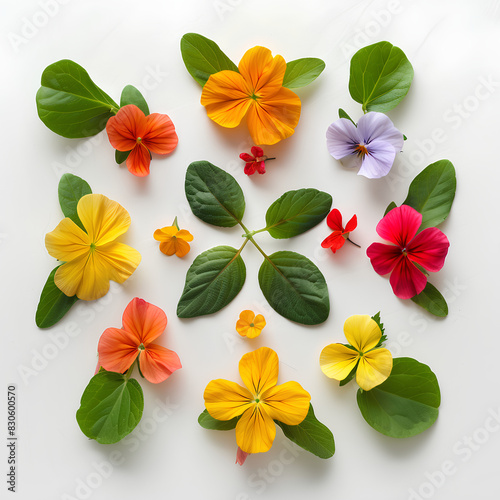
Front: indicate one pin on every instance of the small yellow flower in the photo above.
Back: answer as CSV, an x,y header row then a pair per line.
x,y
173,240
249,325
373,365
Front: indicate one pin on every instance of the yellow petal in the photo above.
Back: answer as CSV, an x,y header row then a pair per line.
x,y
68,277
117,260
165,233
225,400
253,332
255,431
184,235
103,219
259,370
288,403
259,321
272,119
362,332
67,241
337,361
374,368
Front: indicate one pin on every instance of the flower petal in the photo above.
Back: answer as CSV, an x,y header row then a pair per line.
x,y
184,235
374,126
250,168
362,332
334,220
288,403
103,219
165,233
383,257
260,166
160,136
117,350
259,321
379,160
125,127
342,138
272,119
400,225
334,241
225,400
67,241
429,249
158,363
257,152
118,261
181,247
374,368
260,70
246,157
168,247
138,161
352,224
407,280
241,456
337,361
255,431
144,320
259,370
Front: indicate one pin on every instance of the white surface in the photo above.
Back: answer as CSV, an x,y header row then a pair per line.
x,y
453,46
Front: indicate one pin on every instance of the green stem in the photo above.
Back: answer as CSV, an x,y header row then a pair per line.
x,y
355,244
258,247
251,233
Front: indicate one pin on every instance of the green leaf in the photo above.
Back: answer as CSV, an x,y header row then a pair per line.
x,y
71,189
214,195
297,211
70,103
432,192
295,288
53,304
203,57
392,205
302,72
432,300
131,95
121,156
406,404
214,279
211,423
381,76
343,114
311,435
110,408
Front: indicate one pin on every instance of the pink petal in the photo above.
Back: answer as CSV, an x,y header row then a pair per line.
x,y
334,220
352,224
400,225
250,168
158,363
246,157
260,166
144,320
383,257
429,249
257,151
406,280
241,456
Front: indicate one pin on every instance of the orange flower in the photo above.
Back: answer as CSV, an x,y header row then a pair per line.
x,y
119,348
249,325
257,91
131,130
173,240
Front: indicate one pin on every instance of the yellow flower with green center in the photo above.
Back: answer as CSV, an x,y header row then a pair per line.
x,y
373,364
92,257
259,403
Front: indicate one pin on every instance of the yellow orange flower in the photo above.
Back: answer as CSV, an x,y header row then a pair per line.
x,y
173,240
259,403
249,325
92,258
374,365
257,91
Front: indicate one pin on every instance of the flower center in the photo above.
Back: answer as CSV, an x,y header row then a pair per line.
x,y
254,96
92,247
139,140
361,150
141,347
252,325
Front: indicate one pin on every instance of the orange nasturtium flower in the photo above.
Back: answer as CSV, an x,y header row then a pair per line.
x,y
131,130
259,403
173,240
249,325
257,91
119,347
92,258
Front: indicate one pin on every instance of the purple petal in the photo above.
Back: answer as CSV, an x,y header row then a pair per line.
x,y
377,126
342,137
378,161
354,160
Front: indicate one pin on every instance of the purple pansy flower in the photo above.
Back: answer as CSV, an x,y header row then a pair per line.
x,y
371,145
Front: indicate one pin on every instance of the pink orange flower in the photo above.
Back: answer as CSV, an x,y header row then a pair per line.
x,y
119,347
173,240
340,234
255,163
427,249
131,130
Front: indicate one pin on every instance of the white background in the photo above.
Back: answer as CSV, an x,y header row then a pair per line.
x,y
449,113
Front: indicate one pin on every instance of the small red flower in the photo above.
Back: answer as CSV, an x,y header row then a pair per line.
x,y
257,162
340,234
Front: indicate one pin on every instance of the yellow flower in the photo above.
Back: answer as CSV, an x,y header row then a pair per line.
x,y
173,240
92,258
257,91
259,403
373,365
249,325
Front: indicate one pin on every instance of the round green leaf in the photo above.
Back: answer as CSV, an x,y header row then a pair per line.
x,y
70,103
432,300
203,57
432,192
71,188
406,404
214,195
297,211
110,408
214,279
211,423
131,95
311,435
302,72
295,288
380,78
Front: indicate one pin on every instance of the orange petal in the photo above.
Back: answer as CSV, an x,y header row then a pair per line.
x,y
288,403
138,160
259,370
124,128
168,247
117,350
255,430
144,320
261,71
271,120
181,247
225,400
158,363
165,233
160,136
185,235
